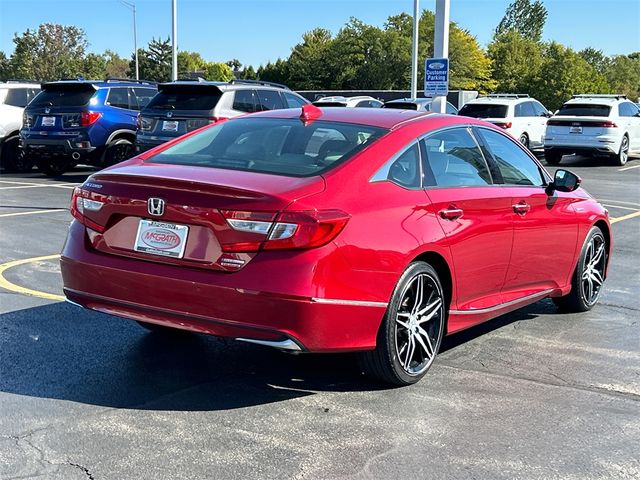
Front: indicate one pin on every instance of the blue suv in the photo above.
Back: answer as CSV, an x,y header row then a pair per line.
x,y
81,121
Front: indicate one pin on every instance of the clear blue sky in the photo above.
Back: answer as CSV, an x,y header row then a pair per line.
x,y
256,31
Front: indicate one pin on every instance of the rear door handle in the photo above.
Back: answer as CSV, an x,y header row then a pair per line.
x,y
451,213
521,208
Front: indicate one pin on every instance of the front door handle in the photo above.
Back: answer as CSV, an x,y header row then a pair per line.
x,y
521,208
451,213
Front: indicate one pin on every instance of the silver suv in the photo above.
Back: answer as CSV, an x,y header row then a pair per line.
x,y
183,106
14,96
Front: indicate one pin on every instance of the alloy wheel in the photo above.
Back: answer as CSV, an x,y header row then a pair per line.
x,y
624,150
593,267
418,324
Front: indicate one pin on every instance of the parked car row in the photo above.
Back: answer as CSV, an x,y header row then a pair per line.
x,y
101,123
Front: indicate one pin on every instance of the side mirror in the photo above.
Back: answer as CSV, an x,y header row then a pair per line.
x,y
564,181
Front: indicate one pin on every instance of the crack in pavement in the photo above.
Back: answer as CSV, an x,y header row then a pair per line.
x,y
591,388
83,468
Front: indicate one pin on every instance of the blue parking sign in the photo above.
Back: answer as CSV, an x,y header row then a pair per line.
x,y
436,77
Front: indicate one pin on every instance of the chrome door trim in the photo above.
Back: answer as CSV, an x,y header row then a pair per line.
x,y
355,303
500,306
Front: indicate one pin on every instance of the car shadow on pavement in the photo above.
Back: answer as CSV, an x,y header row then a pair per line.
x,y
61,352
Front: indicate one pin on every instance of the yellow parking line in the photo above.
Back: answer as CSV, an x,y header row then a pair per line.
x,y
628,168
625,217
33,212
12,287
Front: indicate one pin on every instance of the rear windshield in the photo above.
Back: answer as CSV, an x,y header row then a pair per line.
x,y
58,97
584,110
483,110
272,145
185,99
402,105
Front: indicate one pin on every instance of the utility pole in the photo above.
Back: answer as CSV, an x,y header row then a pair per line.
x,y
174,43
414,50
132,6
441,44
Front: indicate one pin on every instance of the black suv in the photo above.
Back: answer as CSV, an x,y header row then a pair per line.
x,y
182,106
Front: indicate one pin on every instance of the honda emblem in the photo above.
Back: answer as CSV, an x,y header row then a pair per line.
x,y
155,206
169,114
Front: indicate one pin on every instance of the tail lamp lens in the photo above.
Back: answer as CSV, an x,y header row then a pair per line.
x,y
89,118
81,204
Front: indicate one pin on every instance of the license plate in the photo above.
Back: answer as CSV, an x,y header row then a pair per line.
x,y
160,238
170,125
48,121
575,130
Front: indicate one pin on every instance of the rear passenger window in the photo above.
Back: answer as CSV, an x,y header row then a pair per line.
x,y
269,100
516,167
243,101
453,159
524,109
293,101
118,97
16,97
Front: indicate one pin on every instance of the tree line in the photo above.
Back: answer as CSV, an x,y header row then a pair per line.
x,y
359,57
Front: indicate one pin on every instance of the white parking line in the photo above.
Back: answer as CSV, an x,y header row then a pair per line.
x,y
32,212
39,185
628,168
601,200
620,206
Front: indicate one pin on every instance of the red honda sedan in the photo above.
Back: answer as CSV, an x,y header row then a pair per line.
x,y
330,230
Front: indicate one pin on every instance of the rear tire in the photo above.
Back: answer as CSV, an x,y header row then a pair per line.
x,y
412,329
13,160
589,275
620,159
118,151
552,158
53,168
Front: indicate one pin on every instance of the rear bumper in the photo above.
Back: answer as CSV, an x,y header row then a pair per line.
x,y
217,303
603,144
76,149
144,143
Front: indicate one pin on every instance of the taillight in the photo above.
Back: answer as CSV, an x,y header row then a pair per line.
x,y
27,120
606,124
80,203
504,125
145,123
288,231
89,118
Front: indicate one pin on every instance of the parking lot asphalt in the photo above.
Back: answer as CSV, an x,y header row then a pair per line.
x,y
534,394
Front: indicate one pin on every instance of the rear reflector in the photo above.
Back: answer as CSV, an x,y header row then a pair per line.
x,y
289,231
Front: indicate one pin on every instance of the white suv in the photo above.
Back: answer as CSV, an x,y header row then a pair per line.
x,y
14,96
523,117
600,125
361,101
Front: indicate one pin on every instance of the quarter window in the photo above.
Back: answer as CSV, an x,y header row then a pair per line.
x,y
453,159
269,100
516,167
405,171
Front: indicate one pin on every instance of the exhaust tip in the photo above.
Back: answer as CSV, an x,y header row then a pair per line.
x,y
75,156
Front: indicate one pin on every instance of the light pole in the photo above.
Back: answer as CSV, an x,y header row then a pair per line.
x,y
414,50
174,48
132,6
441,45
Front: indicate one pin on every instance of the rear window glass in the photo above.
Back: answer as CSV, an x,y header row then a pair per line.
x,y
62,98
18,97
584,110
269,145
402,105
185,99
483,110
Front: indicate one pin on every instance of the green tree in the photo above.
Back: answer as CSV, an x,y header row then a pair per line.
x,y
596,59
94,67
274,72
623,74
516,62
51,52
309,60
155,62
116,66
525,17
563,73
190,62
218,71
249,73
5,67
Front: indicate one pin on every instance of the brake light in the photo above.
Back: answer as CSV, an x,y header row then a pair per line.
x,y
288,231
89,118
606,124
504,125
80,203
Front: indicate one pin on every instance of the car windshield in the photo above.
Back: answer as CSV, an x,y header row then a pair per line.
x,y
185,99
483,110
272,145
63,97
584,110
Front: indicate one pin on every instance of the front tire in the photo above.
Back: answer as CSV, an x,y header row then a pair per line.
x,y
589,275
412,329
